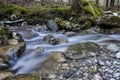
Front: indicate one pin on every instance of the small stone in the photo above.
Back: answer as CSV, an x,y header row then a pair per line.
x,y
13,17
24,24
116,75
69,73
113,48
101,63
70,33
110,71
97,77
65,66
52,76
118,55
112,79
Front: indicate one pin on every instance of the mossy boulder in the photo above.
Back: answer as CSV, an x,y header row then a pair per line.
x,y
82,50
110,22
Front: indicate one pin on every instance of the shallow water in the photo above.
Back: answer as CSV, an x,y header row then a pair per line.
x,y
34,39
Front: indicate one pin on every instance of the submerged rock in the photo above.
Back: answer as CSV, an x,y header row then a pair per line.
x,y
82,50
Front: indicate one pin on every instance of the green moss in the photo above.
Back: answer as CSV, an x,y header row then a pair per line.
x,y
113,21
92,9
24,77
86,25
87,46
7,10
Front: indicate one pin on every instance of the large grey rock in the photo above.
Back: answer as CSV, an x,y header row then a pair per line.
x,y
118,55
52,25
40,28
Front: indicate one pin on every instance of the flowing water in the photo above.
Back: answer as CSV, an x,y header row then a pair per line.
x,y
34,39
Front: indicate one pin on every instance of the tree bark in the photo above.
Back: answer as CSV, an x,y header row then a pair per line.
x,y
112,3
107,3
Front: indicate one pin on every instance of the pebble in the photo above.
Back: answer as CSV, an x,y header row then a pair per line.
x,y
113,48
118,55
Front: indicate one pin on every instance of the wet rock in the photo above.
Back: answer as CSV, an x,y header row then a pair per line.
x,y
118,55
52,25
3,40
40,28
10,50
113,47
101,63
52,61
13,41
3,63
4,74
69,73
50,39
61,40
24,24
11,45
70,33
30,35
82,50
97,77
13,17
38,51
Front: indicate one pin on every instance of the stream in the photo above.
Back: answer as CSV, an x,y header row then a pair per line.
x,y
34,39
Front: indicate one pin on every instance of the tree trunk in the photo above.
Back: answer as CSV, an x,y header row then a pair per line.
x,y
77,5
112,3
97,1
107,3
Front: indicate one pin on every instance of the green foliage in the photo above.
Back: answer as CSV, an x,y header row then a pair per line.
x,y
7,10
92,9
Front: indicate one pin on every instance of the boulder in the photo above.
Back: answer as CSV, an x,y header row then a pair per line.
x,y
52,61
82,50
40,28
13,17
50,39
52,25
11,44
